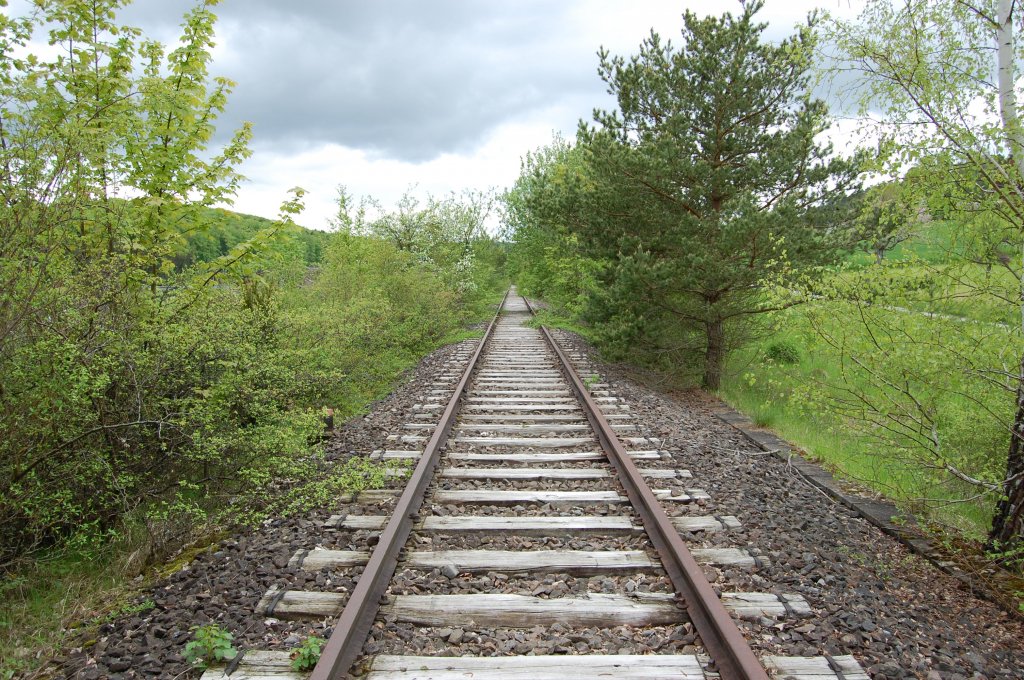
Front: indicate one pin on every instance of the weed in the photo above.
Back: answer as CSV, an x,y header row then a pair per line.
x,y
128,609
210,644
353,476
306,655
1011,557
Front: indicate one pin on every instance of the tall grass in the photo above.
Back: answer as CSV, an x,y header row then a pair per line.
x,y
791,397
59,594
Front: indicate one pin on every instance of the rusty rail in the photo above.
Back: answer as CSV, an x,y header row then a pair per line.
x,y
353,626
717,630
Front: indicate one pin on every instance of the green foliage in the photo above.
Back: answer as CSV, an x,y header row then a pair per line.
x,y
446,236
165,362
782,352
546,258
306,655
1010,556
704,183
187,408
875,394
925,403
320,486
943,76
221,230
95,331
369,314
889,216
138,607
210,644
389,290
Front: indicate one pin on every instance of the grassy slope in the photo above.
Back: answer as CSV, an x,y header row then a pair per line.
x,y
765,389
769,392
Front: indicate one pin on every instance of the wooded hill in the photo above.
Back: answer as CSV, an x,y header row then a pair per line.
x,y
224,229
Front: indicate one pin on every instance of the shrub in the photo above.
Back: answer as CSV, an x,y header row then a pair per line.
x,y
783,352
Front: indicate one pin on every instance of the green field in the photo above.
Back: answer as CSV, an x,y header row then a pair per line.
x,y
790,398
906,387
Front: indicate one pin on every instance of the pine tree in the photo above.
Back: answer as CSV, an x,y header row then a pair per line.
x,y
708,180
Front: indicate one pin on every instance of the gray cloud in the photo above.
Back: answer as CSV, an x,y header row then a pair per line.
x,y
402,79
405,79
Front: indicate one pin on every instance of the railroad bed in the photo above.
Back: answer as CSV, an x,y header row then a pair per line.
x,y
538,503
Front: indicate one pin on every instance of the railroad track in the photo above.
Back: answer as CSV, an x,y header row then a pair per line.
x,y
537,503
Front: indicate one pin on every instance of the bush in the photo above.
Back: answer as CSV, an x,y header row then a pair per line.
x,y
783,352
166,416
371,312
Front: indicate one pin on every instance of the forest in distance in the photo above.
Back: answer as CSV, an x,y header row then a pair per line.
x,y
165,362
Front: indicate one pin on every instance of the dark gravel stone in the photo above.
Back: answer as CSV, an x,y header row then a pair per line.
x,y
900,616
892,609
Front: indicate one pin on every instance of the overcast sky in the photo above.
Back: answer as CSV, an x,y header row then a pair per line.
x,y
442,94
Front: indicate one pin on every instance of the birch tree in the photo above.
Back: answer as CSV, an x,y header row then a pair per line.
x,y
940,84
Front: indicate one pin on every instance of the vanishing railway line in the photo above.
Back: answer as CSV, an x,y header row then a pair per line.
x,y
536,502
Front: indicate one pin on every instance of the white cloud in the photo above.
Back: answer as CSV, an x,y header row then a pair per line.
x,y
444,96
494,161
319,170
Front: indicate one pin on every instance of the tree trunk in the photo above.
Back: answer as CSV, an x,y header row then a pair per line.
x,y
1008,523
1006,72
714,356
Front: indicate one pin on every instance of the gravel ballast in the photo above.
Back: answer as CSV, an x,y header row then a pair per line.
x,y
897,613
224,584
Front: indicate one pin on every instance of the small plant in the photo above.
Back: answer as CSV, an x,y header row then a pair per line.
x,y
127,610
210,644
591,380
783,352
306,655
1010,557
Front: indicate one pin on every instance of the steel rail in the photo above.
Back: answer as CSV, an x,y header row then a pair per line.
x,y
353,625
719,633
